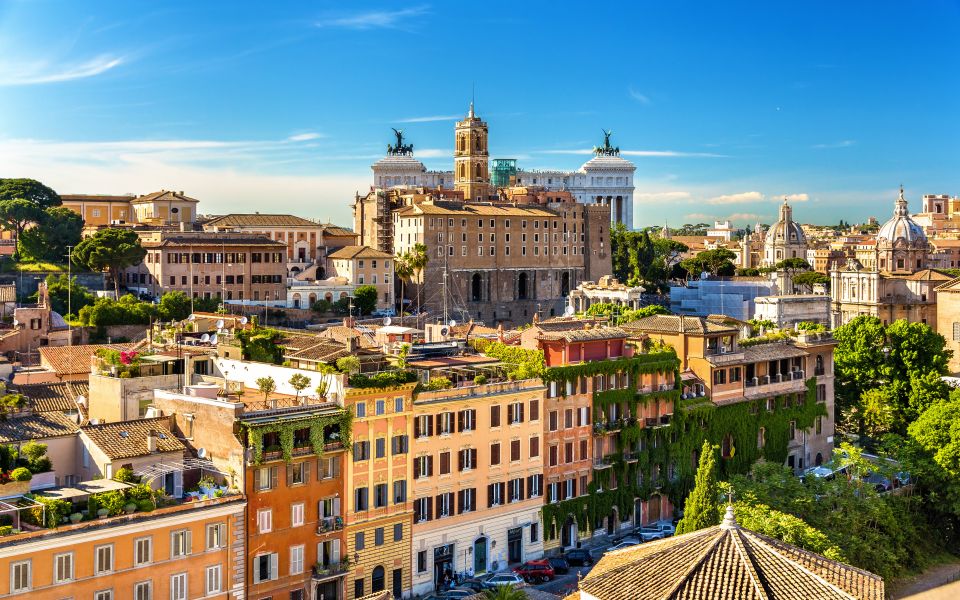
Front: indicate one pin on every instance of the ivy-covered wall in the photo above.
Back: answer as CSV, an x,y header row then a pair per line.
x,y
315,423
676,444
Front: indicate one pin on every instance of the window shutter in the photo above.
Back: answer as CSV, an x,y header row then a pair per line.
x,y
188,543
439,501
473,418
520,496
439,423
393,445
460,460
274,477
490,495
416,427
459,502
274,567
336,507
416,468
509,414
530,486
429,509
306,472
430,466
429,426
460,421
534,410
256,480
574,487
289,474
473,458
503,490
335,552
520,417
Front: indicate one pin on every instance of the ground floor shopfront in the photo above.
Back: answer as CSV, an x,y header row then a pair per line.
x,y
492,543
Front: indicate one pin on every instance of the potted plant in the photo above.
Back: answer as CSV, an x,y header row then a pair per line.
x,y
102,513
76,517
130,508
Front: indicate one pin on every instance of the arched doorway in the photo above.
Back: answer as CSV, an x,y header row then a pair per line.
x,y
565,284
296,300
313,299
328,297
568,533
480,555
819,459
653,508
378,582
522,286
476,287
612,522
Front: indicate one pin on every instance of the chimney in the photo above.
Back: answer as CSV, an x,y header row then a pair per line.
x,y
152,441
349,321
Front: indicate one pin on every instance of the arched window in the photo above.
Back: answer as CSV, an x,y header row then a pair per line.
x,y
296,300
819,368
378,580
522,286
476,291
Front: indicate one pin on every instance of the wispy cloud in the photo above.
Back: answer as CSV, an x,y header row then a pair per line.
x,y
748,217
840,144
639,97
378,19
430,119
655,197
304,137
650,153
697,217
15,72
740,198
792,197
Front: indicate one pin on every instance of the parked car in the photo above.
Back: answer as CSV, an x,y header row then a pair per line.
x,y
536,571
499,579
626,542
579,557
648,533
667,527
560,564
457,593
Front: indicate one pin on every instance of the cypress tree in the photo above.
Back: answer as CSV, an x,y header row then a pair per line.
x,y
700,509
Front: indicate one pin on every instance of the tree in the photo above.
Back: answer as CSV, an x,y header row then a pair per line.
x,y
267,386
348,364
299,382
111,250
57,227
418,262
700,509
717,262
30,190
877,412
365,299
808,279
64,291
403,271
505,592
937,430
174,306
15,216
792,265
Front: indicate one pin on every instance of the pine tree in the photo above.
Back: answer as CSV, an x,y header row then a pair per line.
x,y
700,509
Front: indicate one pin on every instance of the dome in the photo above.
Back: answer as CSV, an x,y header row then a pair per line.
x,y
785,231
901,226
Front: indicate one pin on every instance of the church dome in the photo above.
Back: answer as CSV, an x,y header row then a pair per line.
x,y
785,231
901,226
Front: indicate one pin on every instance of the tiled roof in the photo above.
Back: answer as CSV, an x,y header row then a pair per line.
x,y
163,195
208,239
128,439
350,252
36,426
677,324
470,209
94,198
73,360
336,230
725,562
323,351
928,275
582,335
260,220
55,397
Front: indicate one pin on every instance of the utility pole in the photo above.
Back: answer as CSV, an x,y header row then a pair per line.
x,y
69,301
445,320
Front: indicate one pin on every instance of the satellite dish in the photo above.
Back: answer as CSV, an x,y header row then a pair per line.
x,y
213,339
219,323
82,400
452,323
201,452
243,320
192,317
444,332
387,321
568,311
205,338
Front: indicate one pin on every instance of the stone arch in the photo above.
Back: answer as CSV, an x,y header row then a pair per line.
x,y
296,300
565,284
522,286
476,287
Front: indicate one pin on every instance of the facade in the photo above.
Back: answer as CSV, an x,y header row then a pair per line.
x,y
786,311
471,158
100,210
35,326
607,291
948,320
239,268
889,278
785,239
477,480
163,208
732,296
362,265
504,262
378,516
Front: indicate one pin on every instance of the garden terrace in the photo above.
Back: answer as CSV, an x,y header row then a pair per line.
x,y
285,433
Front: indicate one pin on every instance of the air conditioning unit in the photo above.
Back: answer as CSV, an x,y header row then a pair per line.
x,y
118,222
724,350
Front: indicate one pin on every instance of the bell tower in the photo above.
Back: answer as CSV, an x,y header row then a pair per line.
x,y
471,170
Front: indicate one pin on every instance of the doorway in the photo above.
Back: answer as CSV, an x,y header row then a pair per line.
x,y
653,509
480,556
442,562
568,533
515,545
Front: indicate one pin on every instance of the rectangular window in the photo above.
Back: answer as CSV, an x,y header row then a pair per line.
x,y
444,463
534,447
296,560
143,590
568,418
553,455
103,559
216,536
399,444
63,567
495,453
399,492
553,420
265,520
381,405
179,543
514,450
265,567
296,514
515,413
495,416
214,580
360,499
422,561
178,586
397,532
103,595
20,576
398,404
358,587
361,409
378,536
381,447
534,410
359,543
142,551
380,496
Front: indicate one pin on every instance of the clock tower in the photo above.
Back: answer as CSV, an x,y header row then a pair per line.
x,y
471,171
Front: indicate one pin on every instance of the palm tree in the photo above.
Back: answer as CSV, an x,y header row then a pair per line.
x,y
505,592
418,261
403,270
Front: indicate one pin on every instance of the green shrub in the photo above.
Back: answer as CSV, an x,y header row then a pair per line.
x,y
113,501
480,379
6,530
124,475
145,505
21,474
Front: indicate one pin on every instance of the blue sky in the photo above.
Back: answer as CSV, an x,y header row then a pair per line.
x,y
282,106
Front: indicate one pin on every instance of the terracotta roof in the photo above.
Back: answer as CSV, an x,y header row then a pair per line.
x,y
928,275
349,252
582,335
470,209
95,198
36,426
128,439
725,562
163,195
336,230
322,351
260,220
210,238
8,293
74,360
55,397
948,286
677,324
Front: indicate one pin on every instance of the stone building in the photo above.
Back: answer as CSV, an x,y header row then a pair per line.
x,y
606,291
948,319
163,208
785,239
362,265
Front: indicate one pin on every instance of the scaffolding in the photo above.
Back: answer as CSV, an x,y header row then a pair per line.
x,y
504,172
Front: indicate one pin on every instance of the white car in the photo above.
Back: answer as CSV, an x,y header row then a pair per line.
x,y
626,542
648,533
499,579
666,527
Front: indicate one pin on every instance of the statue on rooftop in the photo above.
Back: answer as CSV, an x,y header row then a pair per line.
x,y
400,148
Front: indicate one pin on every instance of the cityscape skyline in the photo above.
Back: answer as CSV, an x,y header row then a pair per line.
x,y
722,112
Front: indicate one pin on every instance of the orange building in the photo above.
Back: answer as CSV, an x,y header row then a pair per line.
x,y
378,515
179,552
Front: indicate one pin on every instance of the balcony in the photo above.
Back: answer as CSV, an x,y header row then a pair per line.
x,y
321,572
781,383
329,524
602,463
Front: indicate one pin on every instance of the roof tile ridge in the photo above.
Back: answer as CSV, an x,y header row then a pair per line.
x,y
769,548
704,554
746,556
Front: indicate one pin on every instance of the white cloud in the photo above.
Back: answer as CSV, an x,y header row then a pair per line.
x,y
639,97
793,197
433,153
378,19
741,198
745,217
430,119
840,144
653,197
649,153
18,72
303,137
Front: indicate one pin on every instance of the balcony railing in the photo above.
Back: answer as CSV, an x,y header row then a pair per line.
x,y
328,524
321,571
788,382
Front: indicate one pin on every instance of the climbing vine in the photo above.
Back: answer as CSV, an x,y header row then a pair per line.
x,y
286,429
654,362
671,452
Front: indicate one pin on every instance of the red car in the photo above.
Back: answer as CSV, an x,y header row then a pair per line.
x,y
535,571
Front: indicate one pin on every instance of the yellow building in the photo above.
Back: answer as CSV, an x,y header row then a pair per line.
x,y
471,173
157,208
